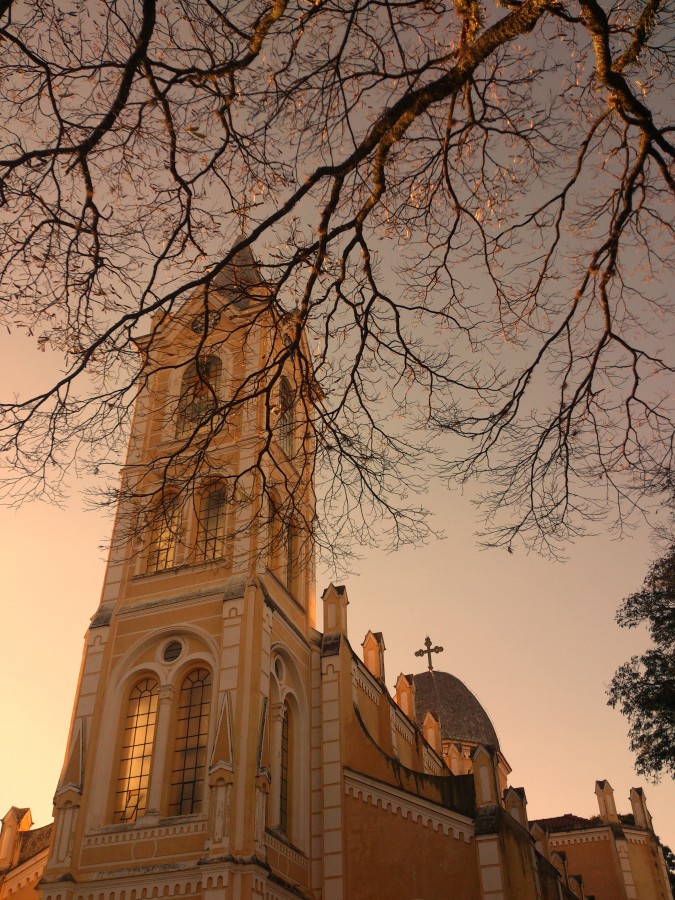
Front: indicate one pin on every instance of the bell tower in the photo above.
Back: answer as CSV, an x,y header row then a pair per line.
x,y
186,771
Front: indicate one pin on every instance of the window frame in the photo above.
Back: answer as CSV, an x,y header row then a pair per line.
x,y
164,539
125,761
286,421
211,530
199,393
199,753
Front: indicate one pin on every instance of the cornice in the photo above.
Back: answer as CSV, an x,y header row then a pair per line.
x,y
416,809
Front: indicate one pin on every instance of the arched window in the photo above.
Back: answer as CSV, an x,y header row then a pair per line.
x,y
286,416
211,525
131,796
189,759
285,771
289,553
281,544
164,536
198,393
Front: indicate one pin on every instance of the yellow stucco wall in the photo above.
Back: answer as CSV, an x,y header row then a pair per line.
x,y
389,856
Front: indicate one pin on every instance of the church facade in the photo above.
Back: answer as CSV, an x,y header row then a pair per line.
x,y
221,748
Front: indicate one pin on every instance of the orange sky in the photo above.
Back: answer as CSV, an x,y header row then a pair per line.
x,y
534,640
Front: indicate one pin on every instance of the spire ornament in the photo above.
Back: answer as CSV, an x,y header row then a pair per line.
x,y
429,650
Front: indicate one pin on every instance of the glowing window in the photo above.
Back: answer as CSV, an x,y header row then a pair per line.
x,y
137,742
211,527
164,537
189,760
286,416
199,394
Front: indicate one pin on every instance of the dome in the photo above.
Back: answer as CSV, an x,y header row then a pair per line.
x,y
461,716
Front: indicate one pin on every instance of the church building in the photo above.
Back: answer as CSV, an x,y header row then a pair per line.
x,y
221,747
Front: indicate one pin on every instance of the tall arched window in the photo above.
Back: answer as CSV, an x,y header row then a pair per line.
x,y
286,416
189,759
281,544
211,525
288,545
285,771
131,796
164,536
198,393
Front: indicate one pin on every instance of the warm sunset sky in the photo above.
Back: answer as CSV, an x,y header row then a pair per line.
x,y
534,640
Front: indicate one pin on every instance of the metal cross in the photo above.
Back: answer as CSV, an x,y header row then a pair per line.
x,y
243,212
429,651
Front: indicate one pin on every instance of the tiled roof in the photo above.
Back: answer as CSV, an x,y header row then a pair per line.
x,y
241,274
566,822
32,842
461,716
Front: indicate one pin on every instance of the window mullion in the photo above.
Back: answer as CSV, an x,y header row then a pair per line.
x,y
157,773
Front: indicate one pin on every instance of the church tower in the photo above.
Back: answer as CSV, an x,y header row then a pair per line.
x,y
190,738
221,748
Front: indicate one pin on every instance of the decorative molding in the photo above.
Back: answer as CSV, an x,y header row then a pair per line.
x,y
25,874
124,834
187,598
366,682
402,725
285,850
417,809
633,838
585,838
431,762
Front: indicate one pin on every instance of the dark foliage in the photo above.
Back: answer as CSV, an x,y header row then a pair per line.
x,y
644,687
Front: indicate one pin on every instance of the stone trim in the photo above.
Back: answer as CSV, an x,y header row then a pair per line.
x,y
171,880
431,762
366,682
402,725
219,595
25,874
636,838
417,809
131,833
290,853
564,839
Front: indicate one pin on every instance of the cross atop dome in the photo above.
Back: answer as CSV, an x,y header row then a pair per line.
x,y
428,651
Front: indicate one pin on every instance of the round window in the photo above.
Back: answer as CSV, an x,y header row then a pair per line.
x,y
172,651
279,669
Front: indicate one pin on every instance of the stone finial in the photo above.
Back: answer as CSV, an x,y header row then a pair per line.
x,y
431,728
515,802
15,820
605,794
373,654
638,804
484,776
335,603
405,695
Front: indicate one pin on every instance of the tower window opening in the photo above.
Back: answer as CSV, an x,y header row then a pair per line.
x,y
137,742
189,761
286,416
199,393
211,530
289,551
164,537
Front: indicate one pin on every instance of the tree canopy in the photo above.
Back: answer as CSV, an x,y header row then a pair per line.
x,y
644,687
462,207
